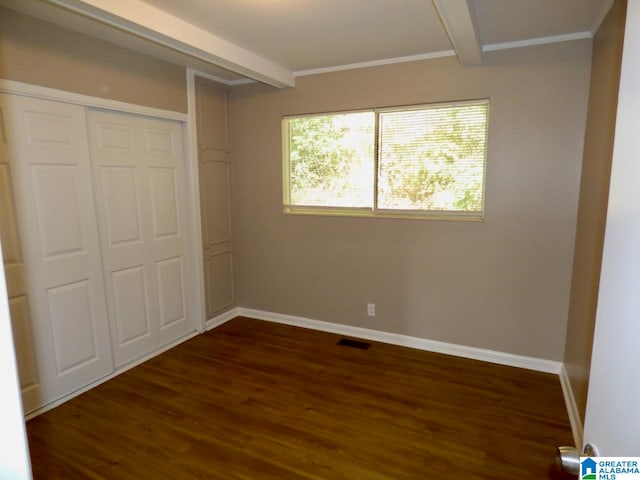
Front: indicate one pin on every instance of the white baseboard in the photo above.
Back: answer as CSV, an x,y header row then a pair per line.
x,y
572,408
222,318
115,373
530,363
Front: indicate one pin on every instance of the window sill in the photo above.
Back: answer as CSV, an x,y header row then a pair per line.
x,y
398,214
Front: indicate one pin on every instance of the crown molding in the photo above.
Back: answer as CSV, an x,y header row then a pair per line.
x,y
530,42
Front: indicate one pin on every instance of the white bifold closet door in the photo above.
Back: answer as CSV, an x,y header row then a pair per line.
x,y
139,184
59,289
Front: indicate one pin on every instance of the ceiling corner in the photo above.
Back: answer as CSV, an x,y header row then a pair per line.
x,y
600,16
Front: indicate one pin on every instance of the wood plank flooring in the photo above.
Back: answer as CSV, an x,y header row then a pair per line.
x,y
256,400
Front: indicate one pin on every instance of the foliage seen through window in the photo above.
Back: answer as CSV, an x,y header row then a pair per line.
x,y
428,159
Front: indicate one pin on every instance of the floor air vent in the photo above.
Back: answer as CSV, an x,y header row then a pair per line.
x,y
345,342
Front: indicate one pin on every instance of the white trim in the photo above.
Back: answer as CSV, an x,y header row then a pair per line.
x,y
46,93
215,78
222,318
569,37
512,360
223,81
572,408
375,63
429,56
242,81
86,388
602,14
458,20
193,140
195,222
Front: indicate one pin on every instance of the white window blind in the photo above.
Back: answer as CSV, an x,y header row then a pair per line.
x,y
432,158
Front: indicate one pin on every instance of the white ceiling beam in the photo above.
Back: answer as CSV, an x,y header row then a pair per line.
x,y
459,22
146,21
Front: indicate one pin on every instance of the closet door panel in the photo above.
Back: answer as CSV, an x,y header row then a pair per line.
x,y
163,167
130,304
216,203
48,156
124,219
73,337
122,215
170,276
219,272
8,225
58,208
163,196
138,173
21,324
18,296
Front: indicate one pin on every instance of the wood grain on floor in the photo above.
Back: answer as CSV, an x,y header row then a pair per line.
x,y
257,400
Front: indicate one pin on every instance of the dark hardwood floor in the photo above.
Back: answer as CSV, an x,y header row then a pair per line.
x,y
256,400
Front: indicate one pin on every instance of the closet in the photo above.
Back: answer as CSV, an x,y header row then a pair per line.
x,y
94,227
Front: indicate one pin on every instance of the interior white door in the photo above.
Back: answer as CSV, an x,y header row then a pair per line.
x,y
58,253
16,282
138,168
612,421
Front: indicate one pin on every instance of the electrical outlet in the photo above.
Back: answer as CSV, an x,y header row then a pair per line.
x,y
371,309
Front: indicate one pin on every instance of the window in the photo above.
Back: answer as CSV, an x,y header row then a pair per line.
x,y
423,160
